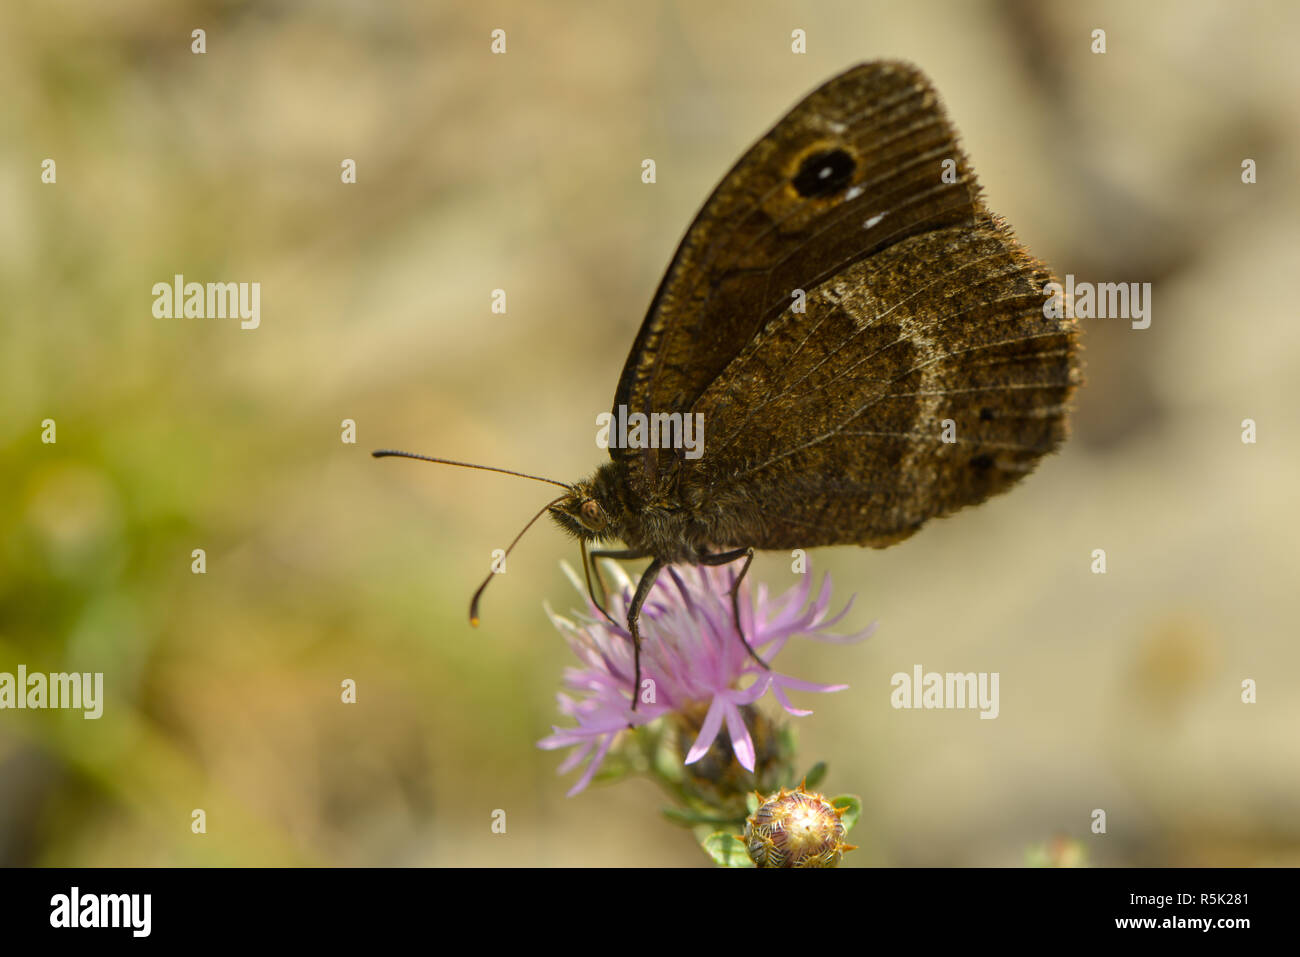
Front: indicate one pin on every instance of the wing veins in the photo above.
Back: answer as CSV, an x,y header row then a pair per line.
x,y
840,428
789,387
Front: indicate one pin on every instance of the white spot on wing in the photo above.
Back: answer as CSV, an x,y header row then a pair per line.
x,y
854,193
873,220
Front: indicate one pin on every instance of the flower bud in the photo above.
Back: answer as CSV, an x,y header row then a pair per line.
x,y
795,829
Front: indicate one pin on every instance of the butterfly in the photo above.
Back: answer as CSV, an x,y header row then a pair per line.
x,y
862,341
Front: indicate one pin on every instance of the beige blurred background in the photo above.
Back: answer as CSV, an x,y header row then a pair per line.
x,y
522,172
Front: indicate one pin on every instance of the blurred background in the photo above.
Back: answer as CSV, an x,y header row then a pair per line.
x,y
522,172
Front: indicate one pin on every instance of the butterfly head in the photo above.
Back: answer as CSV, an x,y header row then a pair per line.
x,y
593,508
580,513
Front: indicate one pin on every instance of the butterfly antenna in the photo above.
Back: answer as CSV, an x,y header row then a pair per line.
x,y
386,453
473,604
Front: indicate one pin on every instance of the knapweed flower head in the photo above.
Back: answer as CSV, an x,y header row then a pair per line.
x,y
692,660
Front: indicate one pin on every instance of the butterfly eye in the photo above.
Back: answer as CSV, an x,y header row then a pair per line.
x,y
824,173
591,512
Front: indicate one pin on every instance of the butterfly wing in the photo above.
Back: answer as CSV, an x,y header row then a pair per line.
x,y
865,341
790,215
918,381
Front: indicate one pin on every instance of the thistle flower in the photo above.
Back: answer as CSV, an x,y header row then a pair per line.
x,y
691,654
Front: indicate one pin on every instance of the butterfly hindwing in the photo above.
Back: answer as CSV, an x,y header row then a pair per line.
x,y
918,381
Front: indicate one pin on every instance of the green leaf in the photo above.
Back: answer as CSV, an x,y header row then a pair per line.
x,y
752,802
787,741
853,805
815,775
688,817
665,762
608,775
678,816
727,850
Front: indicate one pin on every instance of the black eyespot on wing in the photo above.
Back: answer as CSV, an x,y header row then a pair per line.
x,y
982,462
986,415
824,173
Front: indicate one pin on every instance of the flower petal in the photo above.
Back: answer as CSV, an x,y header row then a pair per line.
x,y
597,760
742,745
779,693
708,731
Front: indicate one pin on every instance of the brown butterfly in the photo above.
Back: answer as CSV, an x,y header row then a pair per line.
x,y
863,341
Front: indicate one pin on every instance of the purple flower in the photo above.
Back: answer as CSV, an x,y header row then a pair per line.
x,y
690,649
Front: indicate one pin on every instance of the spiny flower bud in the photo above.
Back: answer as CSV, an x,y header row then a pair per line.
x,y
795,829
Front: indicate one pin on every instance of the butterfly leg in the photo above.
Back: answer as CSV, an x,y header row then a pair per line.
x,y
616,553
723,558
633,615
587,565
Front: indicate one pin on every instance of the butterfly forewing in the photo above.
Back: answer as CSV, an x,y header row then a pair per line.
x,y
865,341
850,171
